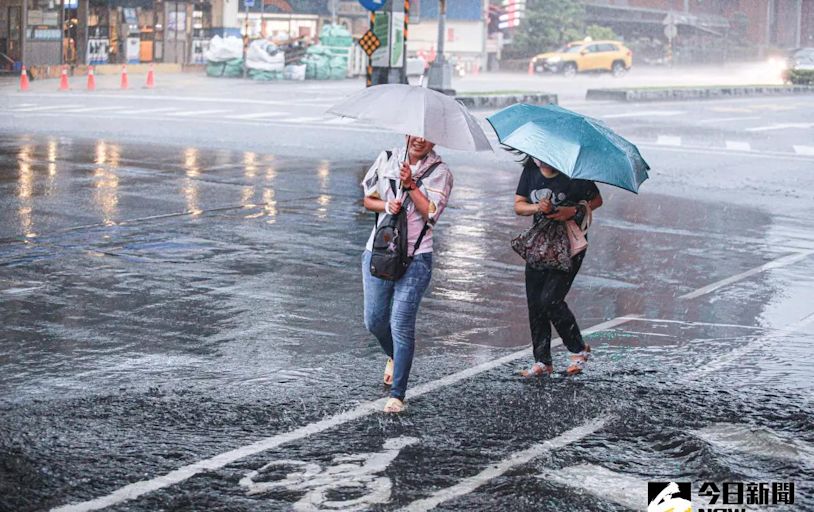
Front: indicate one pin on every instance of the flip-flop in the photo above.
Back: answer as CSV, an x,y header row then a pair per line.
x,y
578,361
388,372
394,406
538,369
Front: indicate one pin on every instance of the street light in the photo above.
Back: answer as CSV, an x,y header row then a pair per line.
x,y
439,76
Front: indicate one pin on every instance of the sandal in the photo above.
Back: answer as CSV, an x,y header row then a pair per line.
x,y
578,361
394,406
538,369
388,372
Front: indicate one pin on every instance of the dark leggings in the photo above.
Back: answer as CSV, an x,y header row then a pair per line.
x,y
545,293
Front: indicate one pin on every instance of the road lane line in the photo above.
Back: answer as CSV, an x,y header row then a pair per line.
x,y
738,145
78,110
45,107
193,113
147,110
493,471
302,120
668,140
728,119
257,115
780,126
779,262
645,113
804,150
772,155
136,489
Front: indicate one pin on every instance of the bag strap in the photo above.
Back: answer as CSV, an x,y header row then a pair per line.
x,y
426,224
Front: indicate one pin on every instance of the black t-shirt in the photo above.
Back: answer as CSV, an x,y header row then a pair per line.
x,y
562,190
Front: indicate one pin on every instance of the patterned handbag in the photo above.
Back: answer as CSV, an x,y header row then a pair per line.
x,y
545,245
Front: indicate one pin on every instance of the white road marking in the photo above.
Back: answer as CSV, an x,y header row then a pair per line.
x,y
755,440
257,115
601,482
804,150
738,145
340,120
147,110
668,140
780,126
771,155
738,353
301,120
90,109
728,119
472,483
194,113
646,113
45,107
136,489
779,262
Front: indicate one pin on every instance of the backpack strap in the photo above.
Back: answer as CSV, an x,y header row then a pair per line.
x,y
392,185
426,224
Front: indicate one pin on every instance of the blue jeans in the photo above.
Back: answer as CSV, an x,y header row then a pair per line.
x,y
391,308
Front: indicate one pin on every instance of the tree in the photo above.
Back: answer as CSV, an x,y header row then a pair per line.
x,y
547,25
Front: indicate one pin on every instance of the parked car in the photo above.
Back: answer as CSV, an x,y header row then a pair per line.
x,y
585,56
801,59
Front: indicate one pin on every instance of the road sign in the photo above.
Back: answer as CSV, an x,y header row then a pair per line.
x,y
670,31
369,42
372,5
248,3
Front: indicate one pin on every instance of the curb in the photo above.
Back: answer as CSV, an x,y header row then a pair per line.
x,y
504,100
695,93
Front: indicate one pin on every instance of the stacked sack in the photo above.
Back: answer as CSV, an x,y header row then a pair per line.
x,y
224,57
265,61
329,58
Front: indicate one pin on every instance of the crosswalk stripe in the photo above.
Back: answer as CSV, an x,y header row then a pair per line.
x,y
738,145
668,140
89,109
148,110
340,120
193,113
804,150
298,120
257,115
46,107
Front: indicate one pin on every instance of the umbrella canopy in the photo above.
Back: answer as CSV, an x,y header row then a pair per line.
x,y
579,146
413,110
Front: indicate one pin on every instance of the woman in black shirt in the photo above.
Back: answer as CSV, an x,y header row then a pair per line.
x,y
545,191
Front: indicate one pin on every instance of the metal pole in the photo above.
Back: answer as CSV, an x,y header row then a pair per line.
x,y
799,30
333,12
442,28
245,38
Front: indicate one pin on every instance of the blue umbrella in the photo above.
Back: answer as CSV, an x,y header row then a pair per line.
x,y
580,146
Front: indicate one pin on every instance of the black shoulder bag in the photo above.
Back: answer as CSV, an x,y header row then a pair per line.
x,y
390,258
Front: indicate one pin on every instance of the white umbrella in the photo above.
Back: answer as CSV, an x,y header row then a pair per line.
x,y
414,110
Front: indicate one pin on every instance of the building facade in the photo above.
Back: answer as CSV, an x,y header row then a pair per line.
x,y
95,32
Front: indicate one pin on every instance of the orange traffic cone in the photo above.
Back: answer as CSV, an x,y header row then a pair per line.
x,y
124,84
150,78
91,79
531,67
24,80
63,79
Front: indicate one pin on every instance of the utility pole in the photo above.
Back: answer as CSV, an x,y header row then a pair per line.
x,y
440,74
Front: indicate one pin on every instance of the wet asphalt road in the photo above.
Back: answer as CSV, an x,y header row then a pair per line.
x,y
166,305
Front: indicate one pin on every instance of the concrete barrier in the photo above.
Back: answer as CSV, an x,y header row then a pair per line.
x,y
491,101
695,93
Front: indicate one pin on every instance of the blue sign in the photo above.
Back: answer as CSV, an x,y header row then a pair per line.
x,y
248,3
372,5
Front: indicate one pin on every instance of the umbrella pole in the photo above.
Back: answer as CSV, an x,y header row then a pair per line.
x,y
406,154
